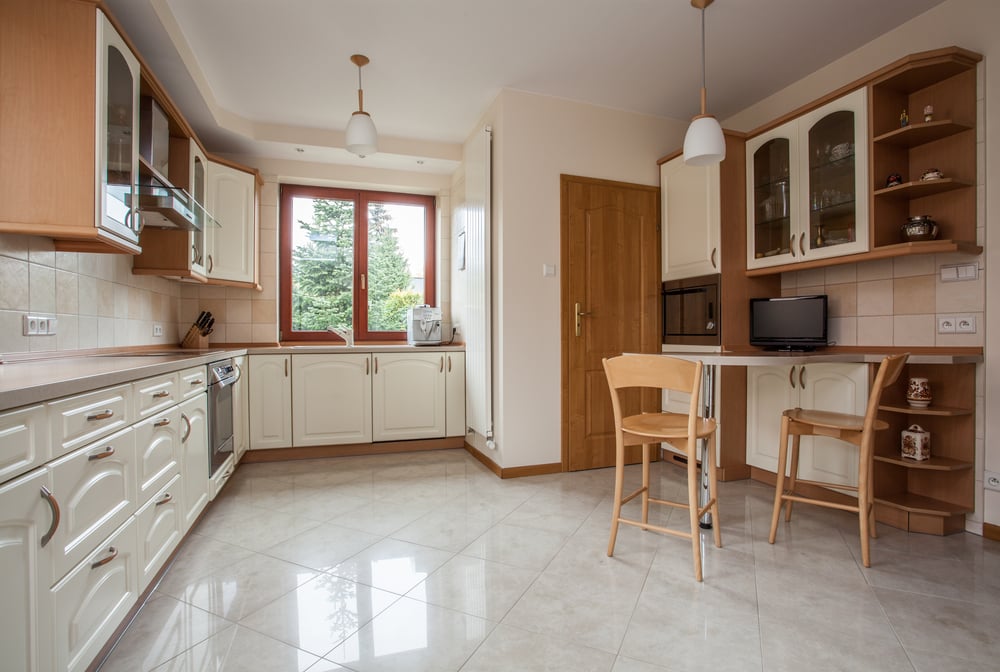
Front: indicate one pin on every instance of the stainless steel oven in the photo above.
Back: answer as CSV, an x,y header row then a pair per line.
x,y
691,314
221,376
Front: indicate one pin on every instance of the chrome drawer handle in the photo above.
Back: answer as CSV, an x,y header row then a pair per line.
x,y
50,499
107,452
101,415
162,423
187,433
112,554
161,394
166,499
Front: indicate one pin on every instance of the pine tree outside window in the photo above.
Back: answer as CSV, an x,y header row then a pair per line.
x,y
355,259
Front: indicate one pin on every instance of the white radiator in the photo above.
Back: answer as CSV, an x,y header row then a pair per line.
x,y
479,288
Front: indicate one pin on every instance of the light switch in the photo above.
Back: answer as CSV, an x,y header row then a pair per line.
x,y
949,273
548,270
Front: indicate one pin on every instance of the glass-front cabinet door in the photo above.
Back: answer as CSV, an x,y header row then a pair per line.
x,y
836,198
807,182
118,137
197,188
771,174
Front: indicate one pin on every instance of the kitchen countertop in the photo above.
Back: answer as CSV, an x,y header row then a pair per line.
x,y
30,379
765,358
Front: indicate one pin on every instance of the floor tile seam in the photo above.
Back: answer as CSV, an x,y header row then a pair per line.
x,y
246,615
635,606
756,582
956,601
162,664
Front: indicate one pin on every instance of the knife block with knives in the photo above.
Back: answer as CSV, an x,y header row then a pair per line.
x,y
197,335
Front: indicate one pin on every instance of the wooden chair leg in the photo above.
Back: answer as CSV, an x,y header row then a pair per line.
x,y
713,487
692,474
792,474
645,483
616,510
865,510
779,485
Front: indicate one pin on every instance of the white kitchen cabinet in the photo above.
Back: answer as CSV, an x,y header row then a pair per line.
x,y
241,410
690,219
194,459
158,452
93,599
331,395
231,198
193,381
159,528
26,617
76,421
840,388
455,394
24,441
270,401
807,186
408,396
96,486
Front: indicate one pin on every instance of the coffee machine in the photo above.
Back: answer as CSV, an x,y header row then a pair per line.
x,y
423,325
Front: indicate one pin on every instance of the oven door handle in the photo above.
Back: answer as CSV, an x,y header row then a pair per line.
x,y
187,432
239,374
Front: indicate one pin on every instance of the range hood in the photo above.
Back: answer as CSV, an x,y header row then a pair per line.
x,y
170,208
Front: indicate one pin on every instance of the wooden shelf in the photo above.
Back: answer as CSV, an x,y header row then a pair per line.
x,y
921,188
932,464
881,252
913,503
949,411
919,134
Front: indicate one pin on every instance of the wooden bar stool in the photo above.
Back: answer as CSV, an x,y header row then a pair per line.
x,y
650,429
858,430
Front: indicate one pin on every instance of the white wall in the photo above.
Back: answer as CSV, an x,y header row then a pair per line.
x,y
536,139
971,24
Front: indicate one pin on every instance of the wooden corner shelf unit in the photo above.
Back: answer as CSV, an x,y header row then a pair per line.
x,y
933,495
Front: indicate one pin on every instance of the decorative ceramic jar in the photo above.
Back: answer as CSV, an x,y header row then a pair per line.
x,y
919,227
916,443
918,393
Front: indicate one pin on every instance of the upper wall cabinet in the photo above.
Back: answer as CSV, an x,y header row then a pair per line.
x,y
937,91
807,186
690,203
231,197
68,130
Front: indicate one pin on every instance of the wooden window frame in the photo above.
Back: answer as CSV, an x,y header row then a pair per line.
x,y
362,199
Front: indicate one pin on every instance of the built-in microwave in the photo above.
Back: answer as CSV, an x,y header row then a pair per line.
x,y
691,314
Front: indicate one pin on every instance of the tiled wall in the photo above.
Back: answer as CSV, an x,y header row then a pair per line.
x,y
96,299
894,301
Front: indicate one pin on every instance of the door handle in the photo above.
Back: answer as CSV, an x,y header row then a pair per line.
x,y
187,423
376,366
50,499
367,366
441,366
802,377
579,314
802,240
449,363
714,249
791,244
791,377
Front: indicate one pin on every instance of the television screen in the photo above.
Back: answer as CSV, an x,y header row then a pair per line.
x,y
789,323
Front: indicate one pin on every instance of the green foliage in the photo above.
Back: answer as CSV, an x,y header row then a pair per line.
x,y
323,271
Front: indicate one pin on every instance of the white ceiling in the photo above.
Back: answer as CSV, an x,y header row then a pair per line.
x,y
272,77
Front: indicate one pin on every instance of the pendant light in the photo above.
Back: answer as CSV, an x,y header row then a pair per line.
x,y
703,143
362,138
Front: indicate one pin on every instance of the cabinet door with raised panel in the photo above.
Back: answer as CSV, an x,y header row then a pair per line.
x,y
839,388
97,488
332,396
270,401
770,390
194,459
24,441
158,529
691,221
158,451
231,199
26,519
455,394
408,396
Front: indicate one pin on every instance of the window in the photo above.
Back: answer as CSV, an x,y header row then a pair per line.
x,y
354,259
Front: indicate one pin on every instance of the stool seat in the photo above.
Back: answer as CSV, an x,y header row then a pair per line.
x,y
858,430
681,430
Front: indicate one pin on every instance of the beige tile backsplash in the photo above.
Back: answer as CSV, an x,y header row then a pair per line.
x,y
894,301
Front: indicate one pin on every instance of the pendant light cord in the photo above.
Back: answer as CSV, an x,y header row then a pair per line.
x,y
704,87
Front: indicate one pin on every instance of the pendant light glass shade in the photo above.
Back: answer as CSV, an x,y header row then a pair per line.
x,y
704,143
362,139
361,136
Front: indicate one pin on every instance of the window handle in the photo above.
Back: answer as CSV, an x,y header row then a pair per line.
x,y
363,281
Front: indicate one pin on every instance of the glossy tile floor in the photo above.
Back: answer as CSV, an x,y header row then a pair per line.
x,y
426,561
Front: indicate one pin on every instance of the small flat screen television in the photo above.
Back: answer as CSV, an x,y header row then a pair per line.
x,y
789,323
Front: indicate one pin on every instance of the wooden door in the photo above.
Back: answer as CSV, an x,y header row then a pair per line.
x,y
611,256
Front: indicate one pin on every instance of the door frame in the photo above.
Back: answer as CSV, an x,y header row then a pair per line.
x,y
566,322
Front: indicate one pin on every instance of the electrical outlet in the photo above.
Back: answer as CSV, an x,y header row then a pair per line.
x,y
946,325
157,330
965,324
39,325
991,480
